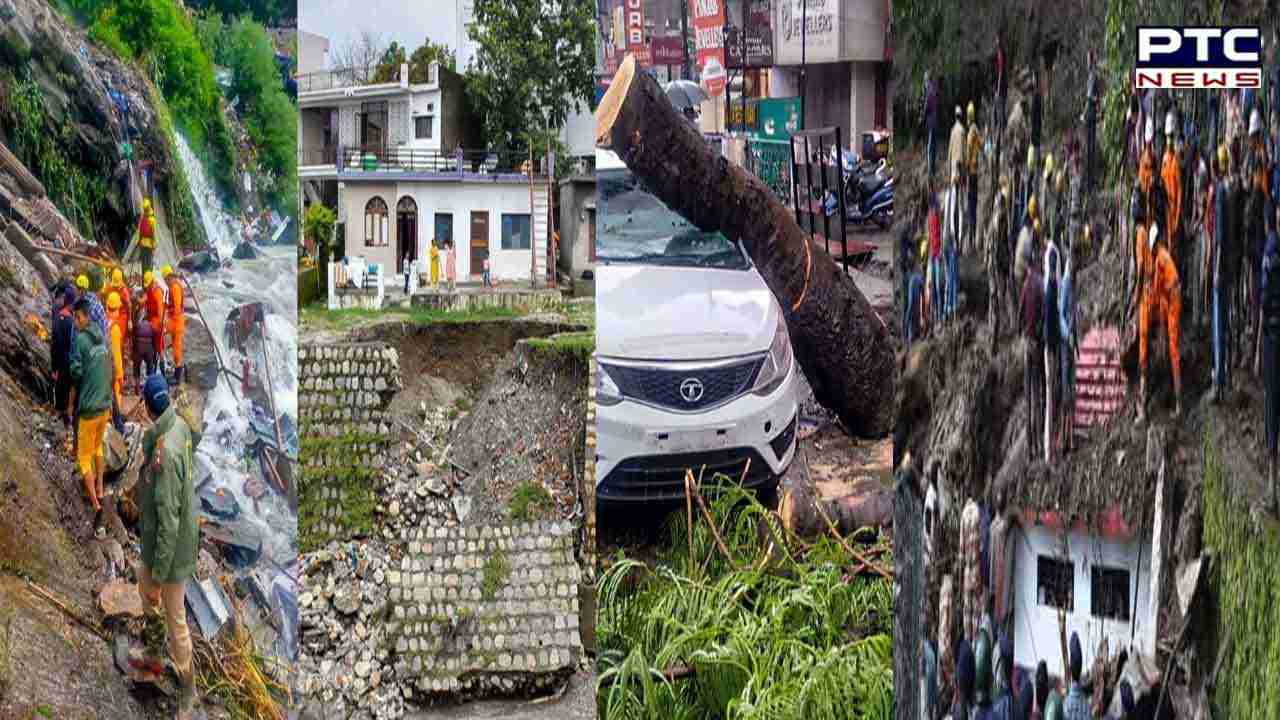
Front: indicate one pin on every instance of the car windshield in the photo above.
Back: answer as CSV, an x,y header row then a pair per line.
x,y
636,227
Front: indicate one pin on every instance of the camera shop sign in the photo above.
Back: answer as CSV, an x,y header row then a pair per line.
x,y
809,24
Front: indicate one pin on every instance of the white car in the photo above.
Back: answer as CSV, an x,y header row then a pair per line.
x,y
695,365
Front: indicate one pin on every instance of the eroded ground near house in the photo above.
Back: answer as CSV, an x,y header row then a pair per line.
x,y
441,523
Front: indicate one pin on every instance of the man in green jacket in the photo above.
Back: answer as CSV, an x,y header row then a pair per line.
x,y
170,535
91,375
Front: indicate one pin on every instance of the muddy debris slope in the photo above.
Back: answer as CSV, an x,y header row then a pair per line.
x,y
528,426
46,529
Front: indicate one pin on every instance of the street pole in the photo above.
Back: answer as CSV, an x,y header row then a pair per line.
x,y
742,61
804,37
728,77
684,36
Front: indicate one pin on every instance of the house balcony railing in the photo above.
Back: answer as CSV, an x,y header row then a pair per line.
x,y
378,158
310,157
339,78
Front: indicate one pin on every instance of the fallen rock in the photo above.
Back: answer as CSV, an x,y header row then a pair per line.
x,y
120,599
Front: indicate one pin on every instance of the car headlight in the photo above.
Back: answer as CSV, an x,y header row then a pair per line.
x,y
777,364
607,392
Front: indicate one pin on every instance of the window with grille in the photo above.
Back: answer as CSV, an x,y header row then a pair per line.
x,y
1109,593
1055,583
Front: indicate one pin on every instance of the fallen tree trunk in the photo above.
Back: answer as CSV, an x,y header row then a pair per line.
x,y
44,267
21,175
806,512
840,343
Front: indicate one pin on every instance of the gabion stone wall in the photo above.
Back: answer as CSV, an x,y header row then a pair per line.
x,y
345,431
486,609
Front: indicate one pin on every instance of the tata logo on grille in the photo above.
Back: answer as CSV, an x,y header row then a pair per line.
x,y
1198,57
691,390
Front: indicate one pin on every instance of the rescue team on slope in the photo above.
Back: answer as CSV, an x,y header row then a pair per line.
x,y
1201,218
1035,227
1207,216
93,334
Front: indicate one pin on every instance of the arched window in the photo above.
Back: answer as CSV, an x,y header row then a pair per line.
x,y
375,223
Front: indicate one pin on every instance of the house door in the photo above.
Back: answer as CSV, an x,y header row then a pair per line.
x,y
479,240
406,232
373,128
591,235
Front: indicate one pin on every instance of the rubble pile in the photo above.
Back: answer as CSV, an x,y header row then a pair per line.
x,y
343,650
527,426
419,486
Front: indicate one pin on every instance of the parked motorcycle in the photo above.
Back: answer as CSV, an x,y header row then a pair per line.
x,y
868,191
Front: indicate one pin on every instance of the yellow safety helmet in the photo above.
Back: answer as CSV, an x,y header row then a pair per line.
x,y
148,277
166,271
972,113
1031,207
146,205
113,301
82,282
117,276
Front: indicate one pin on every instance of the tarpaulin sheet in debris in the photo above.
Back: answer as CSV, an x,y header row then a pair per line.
x,y
1101,387
209,605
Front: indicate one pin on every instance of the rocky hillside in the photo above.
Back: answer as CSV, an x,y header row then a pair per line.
x,y
57,114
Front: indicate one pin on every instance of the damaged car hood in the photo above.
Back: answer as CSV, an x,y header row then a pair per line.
x,y
647,312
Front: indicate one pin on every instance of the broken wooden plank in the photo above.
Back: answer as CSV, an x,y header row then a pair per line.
x,y
26,181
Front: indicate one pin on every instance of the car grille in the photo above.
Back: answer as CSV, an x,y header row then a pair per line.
x,y
661,477
782,443
662,387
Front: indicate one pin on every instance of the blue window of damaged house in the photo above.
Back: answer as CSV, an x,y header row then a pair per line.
x,y
515,232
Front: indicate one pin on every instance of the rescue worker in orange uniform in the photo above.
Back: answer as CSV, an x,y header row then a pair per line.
x,y
155,305
147,235
1171,176
1161,303
175,321
116,322
118,286
1148,209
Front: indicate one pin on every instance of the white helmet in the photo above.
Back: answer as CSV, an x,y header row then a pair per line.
x,y
1169,123
1150,133
1152,235
1255,122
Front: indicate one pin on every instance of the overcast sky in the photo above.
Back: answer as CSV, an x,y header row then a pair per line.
x,y
407,22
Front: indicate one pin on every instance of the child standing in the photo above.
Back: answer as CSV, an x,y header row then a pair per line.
x,y
451,266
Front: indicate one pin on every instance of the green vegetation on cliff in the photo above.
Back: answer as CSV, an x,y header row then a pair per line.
x,y
244,47
75,184
161,38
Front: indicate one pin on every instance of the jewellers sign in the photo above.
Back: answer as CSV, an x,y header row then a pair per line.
x,y
809,24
